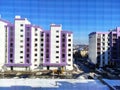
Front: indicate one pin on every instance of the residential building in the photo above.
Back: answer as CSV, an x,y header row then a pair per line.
x,y
114,38
29,47
104,48
98,48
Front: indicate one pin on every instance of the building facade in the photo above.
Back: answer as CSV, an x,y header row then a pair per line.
x,y
29,47
114,39
99,48
104,48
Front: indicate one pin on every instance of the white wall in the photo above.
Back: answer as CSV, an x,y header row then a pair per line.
x,y
35,60
92,48
69,63
18,40
2,43
53,44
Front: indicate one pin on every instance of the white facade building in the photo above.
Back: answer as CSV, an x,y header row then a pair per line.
x,y
29,47
99,48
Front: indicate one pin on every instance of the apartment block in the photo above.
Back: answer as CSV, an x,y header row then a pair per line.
x,y
104,48
114,38
28,47
99,48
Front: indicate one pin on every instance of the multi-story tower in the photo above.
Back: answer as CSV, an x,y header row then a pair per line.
x,y
99,48
114,37
57,48
29,47
3,41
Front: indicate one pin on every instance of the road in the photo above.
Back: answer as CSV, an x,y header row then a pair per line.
x,y
82,67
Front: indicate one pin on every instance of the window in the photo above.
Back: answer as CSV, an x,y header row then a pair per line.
x,y
69,44
41,39
69,59
57,56
21,40
28,28
63,35
41,54
41,59
47,35
27,61
35,54
69,49
69,65
11,39
47,56
69,35
35,49
63,50
36,34
63,60
69,54
21,30
35,65
21,35
47,40
28,44
47,60
11,49
21,56
57,41
27,55
42,44
42,34
21,46
41,49
63,40
21,51
36,39
28,39
11,55
11,60
63,55
36,44
57,46
35,60
28,50
69,40
57,51
36,29
21,24
63,45
57,36
11,44
47,50
57,31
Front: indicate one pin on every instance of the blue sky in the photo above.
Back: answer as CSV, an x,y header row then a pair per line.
x,y
79,16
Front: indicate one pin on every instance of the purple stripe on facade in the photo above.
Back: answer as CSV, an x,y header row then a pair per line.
x,y
11,43
63,48
20,19
46,46
67,32
54,25
54,64
17,65
27,55
98,33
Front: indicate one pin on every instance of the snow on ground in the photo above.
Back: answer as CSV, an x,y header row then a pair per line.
x,y
59,84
